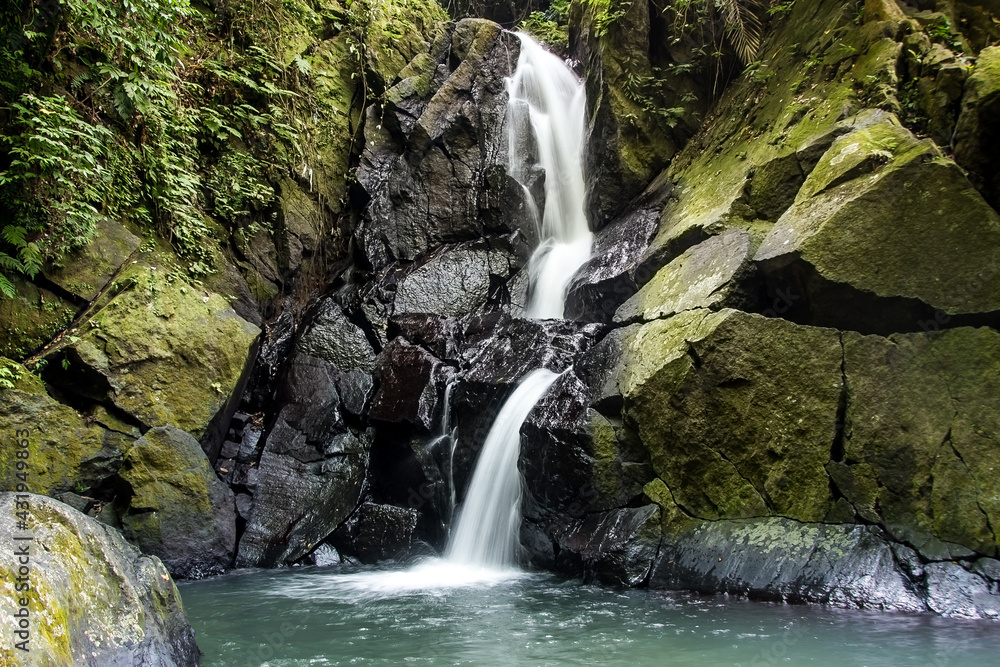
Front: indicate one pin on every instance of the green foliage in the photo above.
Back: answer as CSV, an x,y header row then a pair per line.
x,y
53,184
736,22
550,27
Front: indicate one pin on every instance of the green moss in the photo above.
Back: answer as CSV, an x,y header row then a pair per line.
x,y
32,318
162,345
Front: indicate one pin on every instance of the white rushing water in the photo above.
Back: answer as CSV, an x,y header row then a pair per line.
x,y
488,525
545,118
546,111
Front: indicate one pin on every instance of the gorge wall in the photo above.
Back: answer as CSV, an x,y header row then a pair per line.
x,y
784,361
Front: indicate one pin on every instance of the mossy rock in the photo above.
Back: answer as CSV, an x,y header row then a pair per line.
x,y
738,411
66,451
920,449
94,599
87,271
883,213
178,509
399,30
170,353
705,276
31,318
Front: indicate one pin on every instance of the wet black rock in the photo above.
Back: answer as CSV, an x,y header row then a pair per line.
x,y
615,272
311,473
377,532
843,564
411,383
434,149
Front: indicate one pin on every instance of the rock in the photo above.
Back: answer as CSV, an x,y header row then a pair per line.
x,y
617,548
613,274
66,451
918,450
334,338
376,533
32,317
780,559
94,599
430,180
455,282
399,32
774,185
954,591
628,143
311,472
977,133
883,173
166,353
508,13
709,275
575,461
87,271
739,412
177,508
410,386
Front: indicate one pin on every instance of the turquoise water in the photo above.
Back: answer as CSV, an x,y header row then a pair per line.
x,y
365,616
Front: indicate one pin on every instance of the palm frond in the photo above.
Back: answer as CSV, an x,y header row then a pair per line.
x,y
744,27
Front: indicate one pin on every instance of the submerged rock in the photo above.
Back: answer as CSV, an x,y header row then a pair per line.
x,y
94,600
177,508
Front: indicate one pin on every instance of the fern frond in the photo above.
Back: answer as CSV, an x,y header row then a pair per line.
x,y
6,287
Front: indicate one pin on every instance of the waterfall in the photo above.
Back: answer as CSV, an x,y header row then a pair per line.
x,y
486,534
545,115
545,109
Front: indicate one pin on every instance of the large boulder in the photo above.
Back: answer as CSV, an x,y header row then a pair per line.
x,y
66,451
920,453
377,532
87,271
433,164
32,317
93,600
177,508
977,135
311,473
165,353
739,412
934,236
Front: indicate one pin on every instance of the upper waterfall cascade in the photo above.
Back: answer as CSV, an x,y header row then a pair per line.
x,y
546,120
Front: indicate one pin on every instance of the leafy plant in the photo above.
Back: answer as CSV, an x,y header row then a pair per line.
x,y
53,185
550,27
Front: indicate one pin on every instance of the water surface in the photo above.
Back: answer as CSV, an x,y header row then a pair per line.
x,y
443,615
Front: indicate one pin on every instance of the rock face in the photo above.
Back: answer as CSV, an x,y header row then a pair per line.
x,y
178,509
164,353
311,471
789,377
433,164
92,600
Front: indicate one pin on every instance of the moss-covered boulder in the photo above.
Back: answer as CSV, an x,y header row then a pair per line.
x,y
399,30
706,276
66,451
920,451
31,318
977,134
92,598
87,271
739,412
176,507
165,352
884,213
